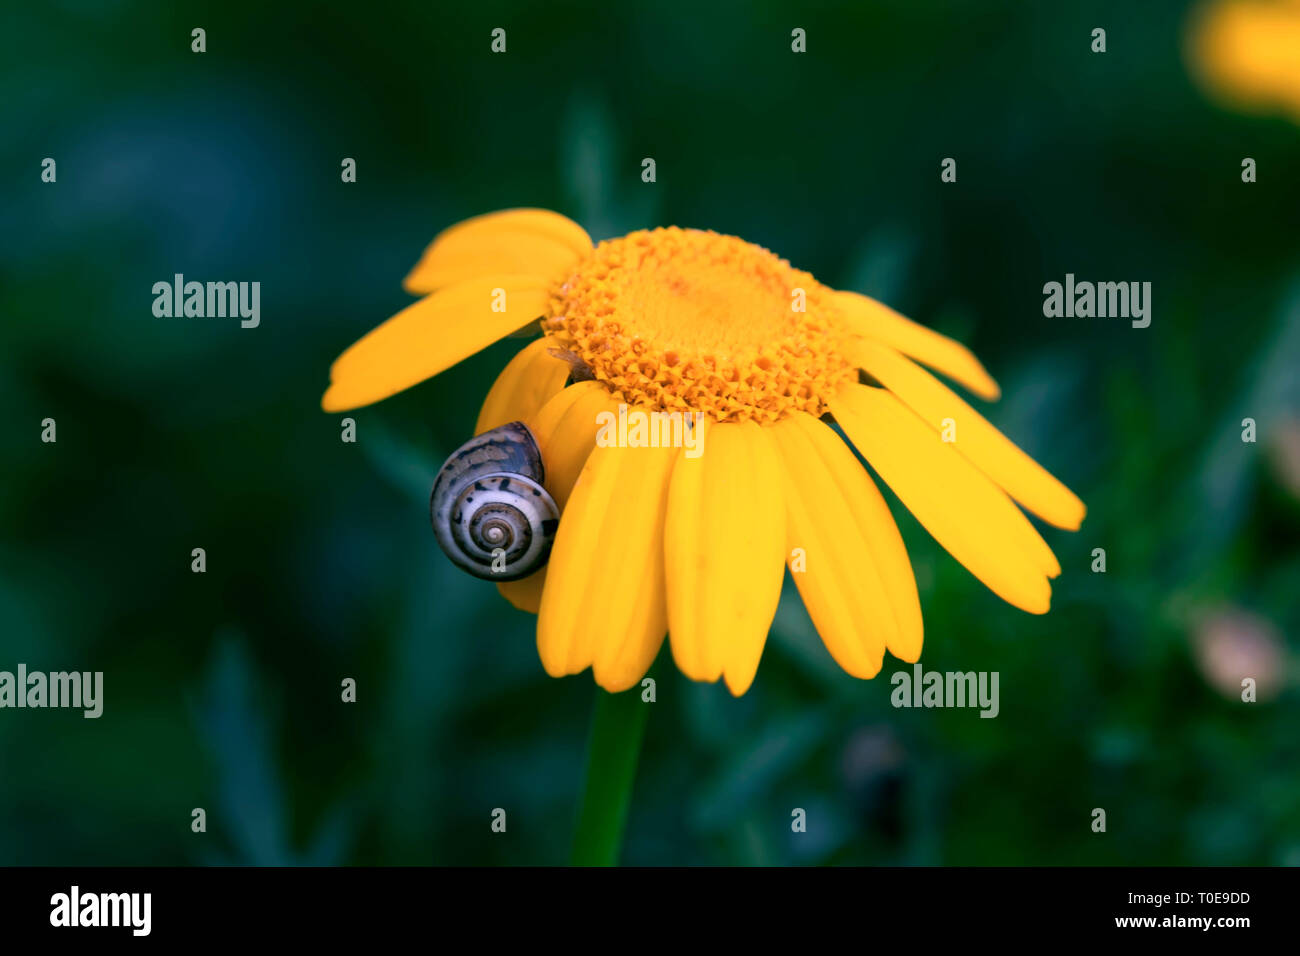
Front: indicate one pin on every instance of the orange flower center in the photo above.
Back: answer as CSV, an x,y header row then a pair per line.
x,y
683,320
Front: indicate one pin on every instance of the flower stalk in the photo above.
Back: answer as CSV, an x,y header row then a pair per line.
x,y
613,749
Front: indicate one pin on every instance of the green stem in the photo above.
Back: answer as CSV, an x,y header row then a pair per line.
x,y
617,729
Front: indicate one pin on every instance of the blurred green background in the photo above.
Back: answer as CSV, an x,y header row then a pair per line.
x,y
222,689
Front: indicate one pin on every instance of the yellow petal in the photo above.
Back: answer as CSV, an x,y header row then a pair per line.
x,y
430,336
565,429
836,573
724,544
532,241
987,448
604,604
527,383
526,593
969,515
564,444
544,421
879,532
874,320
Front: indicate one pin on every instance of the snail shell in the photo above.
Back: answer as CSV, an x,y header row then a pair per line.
x,y
490,513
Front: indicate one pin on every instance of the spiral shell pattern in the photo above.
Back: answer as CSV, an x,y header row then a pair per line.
x,y
490,511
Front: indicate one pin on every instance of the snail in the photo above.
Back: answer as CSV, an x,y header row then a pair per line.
x,y
579,371
490,512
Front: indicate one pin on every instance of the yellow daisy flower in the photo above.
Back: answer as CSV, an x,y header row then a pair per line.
x,y
1248,53
654,541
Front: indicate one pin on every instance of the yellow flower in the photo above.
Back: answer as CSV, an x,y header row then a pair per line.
x,y
653,540
1248,52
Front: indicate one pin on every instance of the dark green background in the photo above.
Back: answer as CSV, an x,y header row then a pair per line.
x,y
222,689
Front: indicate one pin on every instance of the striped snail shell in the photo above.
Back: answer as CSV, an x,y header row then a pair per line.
x,y
490,513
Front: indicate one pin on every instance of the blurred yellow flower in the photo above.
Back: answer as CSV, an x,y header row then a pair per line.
x,y
1247,52
654,540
